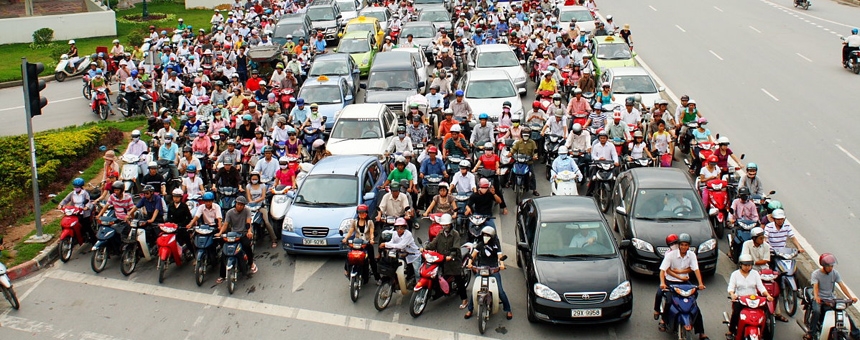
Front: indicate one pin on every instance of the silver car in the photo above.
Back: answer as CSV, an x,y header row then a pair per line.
x,y
584,19
497,57
349,9
487,90
630,81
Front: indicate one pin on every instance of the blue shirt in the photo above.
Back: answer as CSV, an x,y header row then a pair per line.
x,y
168,153
478,39
320,45
151,205
300,115
559,165
428,168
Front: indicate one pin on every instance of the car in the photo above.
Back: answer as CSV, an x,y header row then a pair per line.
x,y
420,62
422,32
438,15
646,212
349,8
568,279
498,57
331,94
297,25
393,78
325,16
369,24
383,14
325,203
362,129
610,51
361,46
584,19
630,81
425,3
486,90
336,65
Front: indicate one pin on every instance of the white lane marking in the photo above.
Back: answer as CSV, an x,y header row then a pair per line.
x,y
36,327
652,7
49,102
679,27
755,29
848,153
813,125
808,15
717,8
715,54
304,268
805,58
285,312
768,93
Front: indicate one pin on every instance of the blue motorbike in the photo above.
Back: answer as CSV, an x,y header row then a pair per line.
x,y
204,242
741,232
679,310
235,259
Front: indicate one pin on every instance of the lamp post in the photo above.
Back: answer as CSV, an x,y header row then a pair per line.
x,y
145,11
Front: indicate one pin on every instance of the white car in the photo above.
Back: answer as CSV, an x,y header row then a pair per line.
x,y
630,81
584,19
498,57
487,90
362,129
349,9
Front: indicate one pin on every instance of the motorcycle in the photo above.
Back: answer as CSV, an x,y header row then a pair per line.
x,y
603,179
454,163
580,117
130,172
87,89
66,69
643,162
227,199
686,138
485,293
431,282
430,189
135,246
280,204
435,227
768,279
168,249
109,241
802,4
100,105
143,104
207,251
521,172
72,233
753,318
565,184
551,144
741,232
164,167
834,325
235,258
852,64
461,198
393,274
786,267
506,161
719,205
311,134
679,310
257,222
357,258
6,286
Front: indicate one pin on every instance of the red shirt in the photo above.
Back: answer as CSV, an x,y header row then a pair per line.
x,y
285,177
489,161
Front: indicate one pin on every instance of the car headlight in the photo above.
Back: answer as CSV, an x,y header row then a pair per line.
x,y
546,292
345,225
642,245
365,61
707,246
288,225
518,113
330,29
622,290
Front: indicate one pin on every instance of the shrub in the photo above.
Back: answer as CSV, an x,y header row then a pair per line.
x,y
58,51
43,37
135,37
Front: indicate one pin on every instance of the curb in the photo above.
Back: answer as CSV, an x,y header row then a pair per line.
x,y
45,258
14,83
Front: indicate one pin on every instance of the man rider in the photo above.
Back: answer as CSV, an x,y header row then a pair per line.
x,y
564,162
488,253
238,219
267,166
456,145
481,202
676,268
751,181
448,243
132,85
823,281
601,151
483,132
404,241
851,44
743,207
120,200
394,204
170,151
400,144
153,208
526,146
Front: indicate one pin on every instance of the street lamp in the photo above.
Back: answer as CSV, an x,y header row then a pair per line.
x,y
145,11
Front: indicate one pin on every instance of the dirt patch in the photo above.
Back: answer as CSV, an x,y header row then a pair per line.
x,y
139,17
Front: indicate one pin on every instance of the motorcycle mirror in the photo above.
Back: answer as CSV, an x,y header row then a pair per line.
x,y
504,257
522,246
340,232
620,210
772,192
419,241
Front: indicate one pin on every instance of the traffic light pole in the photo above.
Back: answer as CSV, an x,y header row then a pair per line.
x,y
40,237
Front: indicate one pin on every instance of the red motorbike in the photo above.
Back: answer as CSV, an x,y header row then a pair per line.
x,y
718,205
285,99
752,319
706,149
100,104
72,233
580,117
435,227
430,277
545,99
769,279
394,33
168,249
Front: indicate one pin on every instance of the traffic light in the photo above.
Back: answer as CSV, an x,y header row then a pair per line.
x,y
32,87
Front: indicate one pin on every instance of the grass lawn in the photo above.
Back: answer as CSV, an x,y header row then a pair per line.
x,y
10,57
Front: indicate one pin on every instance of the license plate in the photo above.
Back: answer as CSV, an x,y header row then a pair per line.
x,y
314,241
586,313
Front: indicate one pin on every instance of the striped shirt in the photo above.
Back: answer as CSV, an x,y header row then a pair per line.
x,y
121,205
598,119
778,237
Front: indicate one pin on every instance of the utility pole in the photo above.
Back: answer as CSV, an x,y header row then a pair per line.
x,y
33,104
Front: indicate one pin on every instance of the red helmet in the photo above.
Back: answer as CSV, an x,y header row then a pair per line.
x,y
827,259
432,149
713,159
536,104
113,174
616,115
191,114
671,239
186,89
484,183
362,208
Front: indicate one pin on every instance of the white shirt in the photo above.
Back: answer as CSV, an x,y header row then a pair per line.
x,y
759,253
606,151
745,286
632,117
675,261
853,40
400,145
464,183
405,243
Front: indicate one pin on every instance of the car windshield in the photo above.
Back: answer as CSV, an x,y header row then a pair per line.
x,y
379,15
487,89
573,239
633,84
353,46
653,204
613,51
295,29
392,81
580,16
320,14
434,16
346,5
328,68
358,27
424,2
357,128
418,32
327,94
328,191
497,59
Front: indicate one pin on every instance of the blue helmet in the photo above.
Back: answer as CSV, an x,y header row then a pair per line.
x,y
854,30
459,93
247,117
191,168
99,71
483,116
134,73
78,182
208,196
300,102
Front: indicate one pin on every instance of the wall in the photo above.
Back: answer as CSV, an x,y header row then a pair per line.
x,y
96,23
206,3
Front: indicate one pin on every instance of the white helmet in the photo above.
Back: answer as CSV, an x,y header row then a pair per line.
x,y
445,50
465,164
576,127
71,42
488,146
756,232
488,231
445,219
562,150
723,140
455,128
745,259
178,192
609,17
135,133
116,41
778,213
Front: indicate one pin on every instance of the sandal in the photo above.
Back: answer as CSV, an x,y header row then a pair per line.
x,y
274,245
661,326
220,280
807,337
254,268
468,315
781,317
509,315
656,315
464,305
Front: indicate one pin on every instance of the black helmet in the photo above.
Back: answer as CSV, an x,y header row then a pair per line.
x,y
744,193
187,149
117,185
148,188
506,104
685,238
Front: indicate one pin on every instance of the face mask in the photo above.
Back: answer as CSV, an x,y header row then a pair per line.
x,y
506,110
135,139
284,166
191,175
255,181
516,124
526,137
563,156
486,239
78,190
401,135
557,102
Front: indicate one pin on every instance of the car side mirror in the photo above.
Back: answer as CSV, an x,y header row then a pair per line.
x,y
426,63
356,71
522,246
389,134
292,195
624,244
421,84
348,98
521,91
362,86
619,209
661,89
522,62
471,64
369,196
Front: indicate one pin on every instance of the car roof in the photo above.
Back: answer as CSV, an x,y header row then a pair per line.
x,y
292,17
628,71
332,56
567,208
418,23
357,35
392,60
362,20
322,80
321,2
609,39
493,48
341,165
364,110
434,8
374,9
487,74
660,178
572,8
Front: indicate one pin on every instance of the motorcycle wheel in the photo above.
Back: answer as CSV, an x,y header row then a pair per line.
x,y
122,106
603,197
99,260
720,229
9,294
483,317
789,299
104,112
383,295
231,280
200,270
354,287
146,111
769,326
129,260
685,334
88,92
548,172
806,5
60,76
66,247
857,68
162,269
418,303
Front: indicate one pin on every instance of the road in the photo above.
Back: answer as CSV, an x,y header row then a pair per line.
x,y
768,77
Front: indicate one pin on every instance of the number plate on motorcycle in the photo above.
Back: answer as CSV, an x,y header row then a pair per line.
x,y
314,242
586,313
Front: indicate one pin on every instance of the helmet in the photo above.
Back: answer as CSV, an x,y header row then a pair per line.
x,y
773,205
283,160
465,164
723,140
685,238
178,192
192,114
483,116
609,17
318,144
152,165
401,128
713,159
671,239
208,196
445,219
432,149
744,193
602,133
117,185
757,231
576,128
638,134
134,73
407,153
562,150
616,115
247,117
752,166
535,104
455,128
488,230
135,133
443,185
459,93
148,188
488,146
556,96
186,89
629,101
361,208
399,160
778,214
484,183
577,91
71,42
827,259
241,200
526,131
78,182
702,121
400,222
394,186
745,259
314,106
559,113
300,101
254,173
191,169
854,30
506,104
187,149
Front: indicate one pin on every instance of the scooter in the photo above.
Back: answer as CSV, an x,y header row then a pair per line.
x,y
235,259
506,161
431,282
786,267
643,162
168,249
769,280
461,198
227,199
257,222
71,234
392,269
435,227
852,64
87,89
207,251
565,183
753,318
834,325
311,134
485,294
164,169
802,4
454,164
130,172
135,246
686,138
521,172
357,258
430,190
280,203
551,145
741,232
679,309
66,69
476,223
6,286
603,179
100,105
109,241
719,206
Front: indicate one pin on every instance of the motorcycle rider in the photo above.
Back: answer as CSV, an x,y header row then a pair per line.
x,y
490,161
456,144
238,220
672,243
580,139
744,282
743,208
81,198
823,281
100,82
462,111
483,132
137,147
362,227
154,179
132,86
442,202
448,243
481,202
676,268
267,166
400,144
759,250
209,210
191,184
564,162
526,146
166,129
578,103
851,44
723,153
637,148
601,151
120,200
187,160
256,196
319,151
394,204
178,213
170,151
400,173
556,126
751,181
779,232
488,252
404,241
153,207
707,173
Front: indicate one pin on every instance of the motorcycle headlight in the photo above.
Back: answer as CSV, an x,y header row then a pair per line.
x,y
768,277
288,225
622,290
344,225
707,246
545,292
280,199
642,245
841,306
685,293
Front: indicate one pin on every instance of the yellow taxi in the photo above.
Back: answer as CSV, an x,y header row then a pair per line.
x,y
368,24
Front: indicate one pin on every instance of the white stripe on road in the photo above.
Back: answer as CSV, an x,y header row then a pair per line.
x,y
755,29
717,8
807,14
848,153
679,27
768,93
652,7
226,302
715,54
805,58
32,327
49,102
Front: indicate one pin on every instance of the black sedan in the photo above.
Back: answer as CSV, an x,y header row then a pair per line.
x,y
574,273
